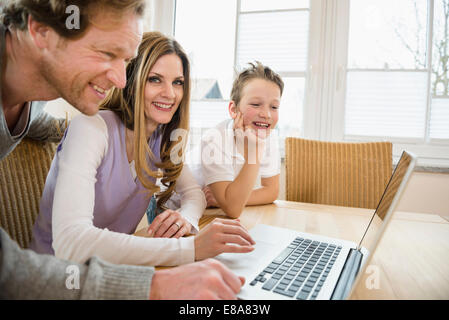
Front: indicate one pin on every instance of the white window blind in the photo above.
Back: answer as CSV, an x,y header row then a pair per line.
x,y
397,68
277,39
235,33
257,5
208,113
439,118
276,33
386,104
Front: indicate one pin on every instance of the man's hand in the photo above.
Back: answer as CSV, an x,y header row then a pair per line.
x,y
222,235
204,280
169,224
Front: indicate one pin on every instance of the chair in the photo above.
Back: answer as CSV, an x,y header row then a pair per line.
x,y
337,173
22,179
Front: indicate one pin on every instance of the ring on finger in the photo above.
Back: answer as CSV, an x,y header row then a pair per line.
x,y
177,223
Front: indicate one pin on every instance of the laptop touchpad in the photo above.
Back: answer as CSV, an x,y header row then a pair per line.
x,y
266,248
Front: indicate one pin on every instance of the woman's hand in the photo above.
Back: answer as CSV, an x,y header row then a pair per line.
x,y
222,235
210,198
169,224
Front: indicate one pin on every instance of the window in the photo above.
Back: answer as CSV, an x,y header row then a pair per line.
x,y
353,70
209,42
439,116
228,36
396,76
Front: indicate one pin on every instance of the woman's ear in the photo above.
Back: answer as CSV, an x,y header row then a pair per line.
x,y
233,109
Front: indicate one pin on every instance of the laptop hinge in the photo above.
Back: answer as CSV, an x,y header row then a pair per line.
x,y
347,275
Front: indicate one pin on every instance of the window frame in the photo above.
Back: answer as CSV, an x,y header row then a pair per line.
x,y
430,152
325,82
284,74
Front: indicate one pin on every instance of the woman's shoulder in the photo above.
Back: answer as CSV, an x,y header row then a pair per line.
x,y
93,122
86,132
107,114
111,119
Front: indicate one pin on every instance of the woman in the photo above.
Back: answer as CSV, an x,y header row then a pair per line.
x,y
105,172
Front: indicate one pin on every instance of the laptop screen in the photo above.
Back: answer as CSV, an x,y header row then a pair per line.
x,y
383,212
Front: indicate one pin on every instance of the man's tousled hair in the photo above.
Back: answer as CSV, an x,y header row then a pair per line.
x,y
15,13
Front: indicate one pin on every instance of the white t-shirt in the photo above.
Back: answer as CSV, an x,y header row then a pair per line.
x,y
216,158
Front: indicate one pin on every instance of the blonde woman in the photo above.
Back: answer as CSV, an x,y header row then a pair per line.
x,y
105,170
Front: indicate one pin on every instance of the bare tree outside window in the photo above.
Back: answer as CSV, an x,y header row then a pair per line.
x,y
440,51
440,67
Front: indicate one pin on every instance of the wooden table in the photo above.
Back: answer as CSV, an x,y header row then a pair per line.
x,y
411,261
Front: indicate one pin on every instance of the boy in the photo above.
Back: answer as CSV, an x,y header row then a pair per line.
x,y
236,152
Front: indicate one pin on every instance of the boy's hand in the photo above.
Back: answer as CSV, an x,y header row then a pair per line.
x,y
169,224
210,198
248,140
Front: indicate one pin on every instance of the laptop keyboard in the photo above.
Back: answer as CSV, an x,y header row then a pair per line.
x,y
300,269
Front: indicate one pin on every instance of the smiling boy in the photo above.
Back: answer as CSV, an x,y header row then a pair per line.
x,y
237,152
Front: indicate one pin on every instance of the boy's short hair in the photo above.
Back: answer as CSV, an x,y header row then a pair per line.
x,y
256,71
53,13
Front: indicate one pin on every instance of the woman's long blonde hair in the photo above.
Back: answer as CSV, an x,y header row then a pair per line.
x,y
129,104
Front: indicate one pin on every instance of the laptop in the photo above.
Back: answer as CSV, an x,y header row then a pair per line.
x,y
287,264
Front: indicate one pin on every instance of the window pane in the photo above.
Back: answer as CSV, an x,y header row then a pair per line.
x,y
277,39
440,56
387,34
291,110
209,42
439,119
386,104
255,5
208,113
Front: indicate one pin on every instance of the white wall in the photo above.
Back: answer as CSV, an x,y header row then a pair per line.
x,y
60,108
427,192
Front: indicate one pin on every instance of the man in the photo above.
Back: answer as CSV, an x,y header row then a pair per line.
x,y
41,59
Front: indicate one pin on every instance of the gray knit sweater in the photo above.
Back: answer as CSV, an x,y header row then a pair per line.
x,y
25,274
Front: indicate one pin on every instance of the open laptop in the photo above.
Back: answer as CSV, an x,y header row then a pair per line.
x,y
288,264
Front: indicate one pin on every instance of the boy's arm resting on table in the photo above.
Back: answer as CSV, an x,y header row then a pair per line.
x,y
25,274
232,196
270,173
267,193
